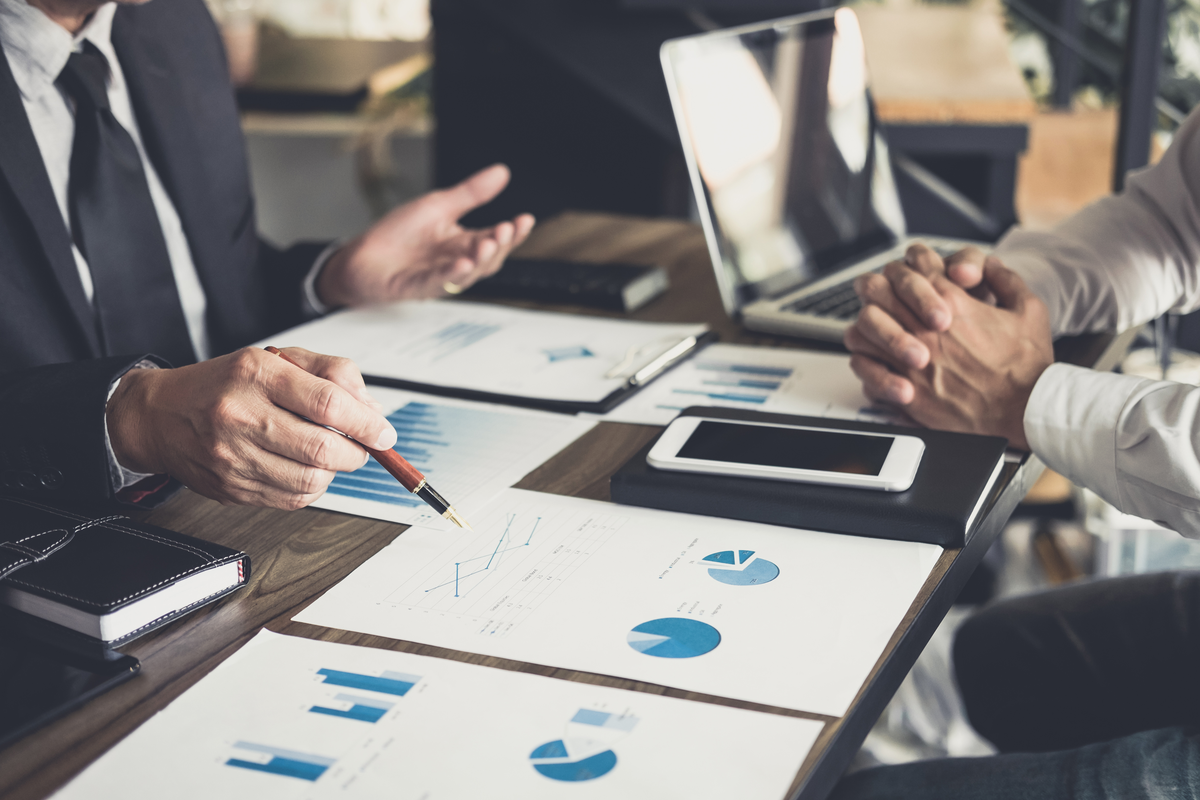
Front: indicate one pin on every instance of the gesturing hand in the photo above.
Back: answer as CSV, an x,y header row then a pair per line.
x,y
228,427
418,248
977,372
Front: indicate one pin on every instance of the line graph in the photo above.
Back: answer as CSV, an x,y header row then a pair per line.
x,y
500,573
491,559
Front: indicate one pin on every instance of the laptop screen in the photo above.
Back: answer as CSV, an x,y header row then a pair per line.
x,y
791,174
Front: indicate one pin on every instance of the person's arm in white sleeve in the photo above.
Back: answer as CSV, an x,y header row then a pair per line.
x,y
1133,441
1126,259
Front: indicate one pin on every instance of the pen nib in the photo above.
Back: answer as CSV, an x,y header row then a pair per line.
x,y
454,517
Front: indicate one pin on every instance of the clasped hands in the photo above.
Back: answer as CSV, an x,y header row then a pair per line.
x,y
230,428
957,344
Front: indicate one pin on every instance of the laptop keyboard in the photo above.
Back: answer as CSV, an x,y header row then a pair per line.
x,y
839,301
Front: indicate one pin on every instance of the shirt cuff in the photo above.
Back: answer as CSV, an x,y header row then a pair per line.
x,y
118,476
1071,424
310,305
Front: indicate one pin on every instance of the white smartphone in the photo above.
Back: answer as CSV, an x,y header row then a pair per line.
x,y
880,461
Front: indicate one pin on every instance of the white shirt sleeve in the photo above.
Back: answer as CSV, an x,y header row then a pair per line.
x,y
1126,259
1118,263
1133,441
119,476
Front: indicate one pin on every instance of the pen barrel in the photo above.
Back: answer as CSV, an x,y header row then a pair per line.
x,y
400,469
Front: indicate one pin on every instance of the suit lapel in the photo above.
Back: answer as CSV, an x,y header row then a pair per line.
x,y
22,166
168,132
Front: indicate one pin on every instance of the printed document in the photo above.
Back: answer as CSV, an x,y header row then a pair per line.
x,y
297,718
772,615
468,452
773,380
487,348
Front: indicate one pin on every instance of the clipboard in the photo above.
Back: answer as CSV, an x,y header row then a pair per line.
x,y
641,376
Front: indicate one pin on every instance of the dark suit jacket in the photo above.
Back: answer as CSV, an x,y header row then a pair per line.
x,y
54,378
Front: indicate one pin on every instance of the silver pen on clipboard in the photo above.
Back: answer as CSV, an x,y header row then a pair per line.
x,y
657,365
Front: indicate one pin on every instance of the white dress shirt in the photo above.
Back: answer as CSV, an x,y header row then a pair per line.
x,y
1122,262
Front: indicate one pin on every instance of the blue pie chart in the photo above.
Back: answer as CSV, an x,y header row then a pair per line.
x,y
743,570
674,637
553,761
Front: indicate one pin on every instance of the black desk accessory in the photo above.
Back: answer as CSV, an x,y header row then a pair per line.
x,y
615,287
106,576
46,672
956,474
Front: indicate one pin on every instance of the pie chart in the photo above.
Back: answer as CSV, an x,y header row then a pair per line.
x,y
554,761
674,637
741,568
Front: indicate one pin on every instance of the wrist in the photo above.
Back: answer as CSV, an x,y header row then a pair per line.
x,y
330,285
126,415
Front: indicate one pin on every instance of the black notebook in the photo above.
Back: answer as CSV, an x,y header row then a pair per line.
x,y
616,287
107,577
953,482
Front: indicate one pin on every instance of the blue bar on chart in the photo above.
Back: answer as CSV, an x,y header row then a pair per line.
x,y
603,719
419,438
745,369
388,682
451,339
363,709
757,399
278,761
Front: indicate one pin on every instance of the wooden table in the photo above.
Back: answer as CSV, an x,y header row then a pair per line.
x,y
298,555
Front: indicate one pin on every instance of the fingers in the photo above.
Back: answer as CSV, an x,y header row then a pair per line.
x,y
326,403
877,333
303,447
880,384
341,371
1010,290
924,260
485,252
914,289
480,188
965,268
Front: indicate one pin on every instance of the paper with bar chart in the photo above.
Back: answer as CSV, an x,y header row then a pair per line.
x,y
487,348
757,379
695,602
298,718
467,451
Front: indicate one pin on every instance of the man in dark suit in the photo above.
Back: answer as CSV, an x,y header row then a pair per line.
x,y
128,244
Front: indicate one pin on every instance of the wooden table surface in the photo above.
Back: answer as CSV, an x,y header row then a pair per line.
x,y
297,555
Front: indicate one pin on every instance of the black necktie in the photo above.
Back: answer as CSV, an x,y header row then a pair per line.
x,y
116,227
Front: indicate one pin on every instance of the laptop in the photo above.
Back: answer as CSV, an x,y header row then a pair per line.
x,y
790,169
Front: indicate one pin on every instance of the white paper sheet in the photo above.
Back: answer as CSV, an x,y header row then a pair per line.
x,y
753,378
296,718
468,451
488,348
785,617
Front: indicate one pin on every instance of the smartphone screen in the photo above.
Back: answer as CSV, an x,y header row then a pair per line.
x,y
823,451
40,681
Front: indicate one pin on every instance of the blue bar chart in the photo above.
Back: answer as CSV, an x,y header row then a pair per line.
x,y
278,761
728,382
362,709
468,451
394,683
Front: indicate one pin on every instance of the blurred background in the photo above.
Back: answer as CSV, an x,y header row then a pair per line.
x,y
998,112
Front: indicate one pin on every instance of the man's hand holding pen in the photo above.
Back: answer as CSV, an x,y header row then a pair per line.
x,y
230,428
